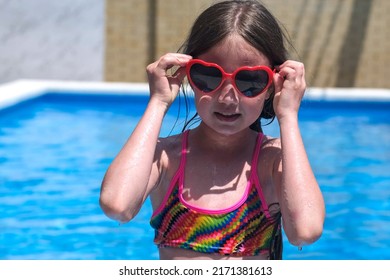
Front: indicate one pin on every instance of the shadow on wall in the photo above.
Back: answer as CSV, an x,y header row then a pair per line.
x,y
312,31
353,44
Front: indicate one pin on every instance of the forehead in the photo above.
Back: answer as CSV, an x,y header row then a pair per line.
x,y
234,52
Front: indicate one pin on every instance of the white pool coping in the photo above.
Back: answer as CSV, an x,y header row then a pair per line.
x,y
21,90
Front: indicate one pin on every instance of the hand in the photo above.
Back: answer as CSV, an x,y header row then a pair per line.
x,y
163,85
290,87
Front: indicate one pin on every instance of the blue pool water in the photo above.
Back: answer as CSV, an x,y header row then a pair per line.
x,y
54,151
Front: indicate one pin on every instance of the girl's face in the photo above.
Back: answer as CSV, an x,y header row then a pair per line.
x,y
227,111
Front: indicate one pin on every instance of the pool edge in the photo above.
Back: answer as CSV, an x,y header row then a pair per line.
x,y
25,89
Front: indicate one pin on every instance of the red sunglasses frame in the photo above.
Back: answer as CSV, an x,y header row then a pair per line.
x,y
231,76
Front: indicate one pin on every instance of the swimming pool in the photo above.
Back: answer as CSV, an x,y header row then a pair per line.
x,y
55,148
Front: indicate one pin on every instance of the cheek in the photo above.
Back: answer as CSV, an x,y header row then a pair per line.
x,y
203,103
254,107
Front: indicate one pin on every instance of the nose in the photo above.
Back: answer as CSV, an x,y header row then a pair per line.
x,y
227,92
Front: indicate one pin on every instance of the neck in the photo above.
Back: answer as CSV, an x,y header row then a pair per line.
x,y
211,141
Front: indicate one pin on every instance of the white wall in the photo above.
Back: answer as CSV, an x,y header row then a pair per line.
x,y
50,39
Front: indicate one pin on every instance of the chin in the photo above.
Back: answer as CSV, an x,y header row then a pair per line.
x,y
228,131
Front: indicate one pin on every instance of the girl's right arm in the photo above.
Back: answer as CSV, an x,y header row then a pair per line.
x,y
134,171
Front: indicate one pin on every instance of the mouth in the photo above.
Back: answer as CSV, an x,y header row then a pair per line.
x,y
227,117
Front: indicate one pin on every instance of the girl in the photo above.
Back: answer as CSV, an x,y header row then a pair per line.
x,y
219,190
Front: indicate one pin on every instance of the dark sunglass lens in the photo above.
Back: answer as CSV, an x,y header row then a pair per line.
x,y
205,78
251,82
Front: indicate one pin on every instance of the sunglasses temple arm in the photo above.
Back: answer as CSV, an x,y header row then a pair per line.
x,y
276,70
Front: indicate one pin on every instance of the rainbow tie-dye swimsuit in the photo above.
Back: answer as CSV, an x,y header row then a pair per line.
x,y
245,229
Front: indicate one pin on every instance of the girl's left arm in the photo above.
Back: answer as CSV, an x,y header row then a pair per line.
x,y
299,195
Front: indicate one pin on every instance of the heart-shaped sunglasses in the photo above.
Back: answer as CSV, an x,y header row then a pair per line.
x,y
248,80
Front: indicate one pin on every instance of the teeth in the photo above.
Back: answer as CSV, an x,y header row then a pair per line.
x,y
228,115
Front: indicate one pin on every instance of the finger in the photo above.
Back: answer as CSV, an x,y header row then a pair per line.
x,y
171,60
291,69
166,65
173,71
278,82
177,79
287,73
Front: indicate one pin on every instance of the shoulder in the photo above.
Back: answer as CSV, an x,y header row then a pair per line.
x,y
168,151
269,141
167,161
271,152
170,144
268,168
